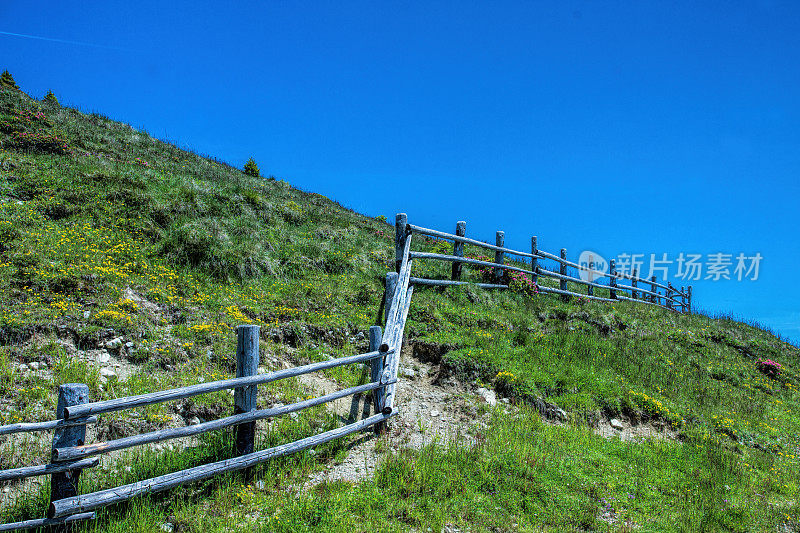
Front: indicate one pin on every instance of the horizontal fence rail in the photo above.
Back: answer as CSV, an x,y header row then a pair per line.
x,y
96,500
46,522
77,452
141,400
640,290
30,427
44,470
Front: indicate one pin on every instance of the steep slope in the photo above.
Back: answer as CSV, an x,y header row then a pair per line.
x,y
125,262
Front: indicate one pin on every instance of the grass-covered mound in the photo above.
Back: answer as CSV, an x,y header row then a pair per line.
x,y
106,232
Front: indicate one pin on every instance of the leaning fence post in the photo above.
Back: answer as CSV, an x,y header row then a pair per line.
x,y
689,299
654,296
612,271
499,256
244,398
376,369
401,223
562,269
458,249
65,484
391,285
634,283
535,259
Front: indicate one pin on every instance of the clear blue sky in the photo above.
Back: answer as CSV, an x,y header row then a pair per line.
x,y
633,127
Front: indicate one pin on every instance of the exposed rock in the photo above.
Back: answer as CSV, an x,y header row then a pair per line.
x,y
549,410
114,344
435,413
194,421
489,396
407,372
616,424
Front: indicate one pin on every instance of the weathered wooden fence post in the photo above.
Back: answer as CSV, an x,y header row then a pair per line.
x,y
400,226
391,286
535,259
683,299
689,299
668,298
376,369
634,283
612,271
65,484
499,257
458,249
245,398
562,269
654,289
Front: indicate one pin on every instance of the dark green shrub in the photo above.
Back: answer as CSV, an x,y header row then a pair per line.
x,y
50,98
7,80
251,169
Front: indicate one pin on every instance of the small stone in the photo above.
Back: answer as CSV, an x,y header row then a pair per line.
x,y
102,357
260,485
114,344
616,424
194,421
489,396
107,372
33,365
86,315
262,370
129,345
407,373
435,413
293,416
166,526
23,368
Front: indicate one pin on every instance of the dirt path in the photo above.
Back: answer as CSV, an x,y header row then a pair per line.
x,y
430,408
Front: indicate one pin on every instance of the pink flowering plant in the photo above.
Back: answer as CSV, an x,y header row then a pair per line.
x,y
522,283
769,367
30,130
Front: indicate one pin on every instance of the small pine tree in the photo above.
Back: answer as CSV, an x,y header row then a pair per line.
x,y
251,169
50,98
7,80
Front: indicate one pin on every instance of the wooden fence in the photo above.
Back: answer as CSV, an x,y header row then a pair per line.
x,y
71,455
648,291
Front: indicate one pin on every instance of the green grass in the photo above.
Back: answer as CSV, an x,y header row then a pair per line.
x,y
92,209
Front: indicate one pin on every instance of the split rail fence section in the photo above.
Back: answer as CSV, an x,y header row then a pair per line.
x,y
71,455
648,291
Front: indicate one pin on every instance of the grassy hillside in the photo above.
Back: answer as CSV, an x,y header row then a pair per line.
x,y
107,233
